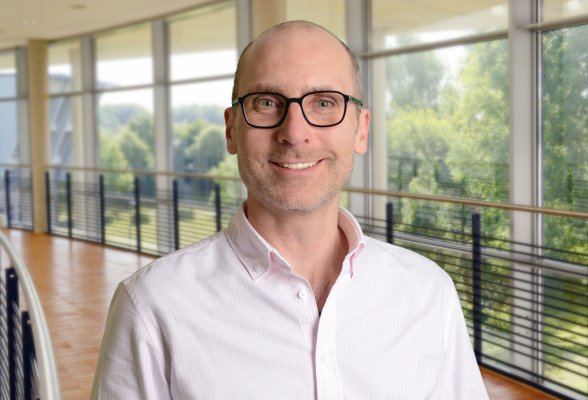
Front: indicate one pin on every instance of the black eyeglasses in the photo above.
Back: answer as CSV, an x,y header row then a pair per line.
x,y
268,110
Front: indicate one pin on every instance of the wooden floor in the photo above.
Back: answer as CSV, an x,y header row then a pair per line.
x,y
76,280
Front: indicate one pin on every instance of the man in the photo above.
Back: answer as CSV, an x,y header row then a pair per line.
x,y
291,301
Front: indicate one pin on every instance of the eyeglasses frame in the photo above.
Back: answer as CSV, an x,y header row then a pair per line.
x,y
289,100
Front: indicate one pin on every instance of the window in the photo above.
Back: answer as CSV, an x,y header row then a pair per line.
x,y
124,76
397,24
124,57
441,110
557,9
7,74
565,186
65,106
9,137
202,62
199,49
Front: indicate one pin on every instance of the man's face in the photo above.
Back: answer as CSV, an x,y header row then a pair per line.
x,y
296,166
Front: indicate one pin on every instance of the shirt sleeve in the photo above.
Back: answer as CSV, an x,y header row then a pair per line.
x,y
460,377
131,364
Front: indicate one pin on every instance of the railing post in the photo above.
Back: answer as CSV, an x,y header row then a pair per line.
x,y
477,285
68,204
12,307
137,213
102,209
7,192
28,353
176,214
389,222
217,206
48,200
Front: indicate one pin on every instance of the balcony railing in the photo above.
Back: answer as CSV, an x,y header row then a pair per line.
x,y
16,198
525,303
27,365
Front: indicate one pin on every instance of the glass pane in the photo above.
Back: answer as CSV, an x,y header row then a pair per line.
x,y
446,117
198,48
64,67
565,331
9,152
124,57
565,118
66,130
199,146
404,23
556,9
327,13
125,121
447,121
565,175
198,127
7,74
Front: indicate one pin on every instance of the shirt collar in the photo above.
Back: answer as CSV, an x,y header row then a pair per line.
x,y
257,255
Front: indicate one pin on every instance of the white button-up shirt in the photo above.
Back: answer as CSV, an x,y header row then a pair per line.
x,y
226,318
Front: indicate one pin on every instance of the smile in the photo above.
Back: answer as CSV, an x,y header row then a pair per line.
x,y
298,165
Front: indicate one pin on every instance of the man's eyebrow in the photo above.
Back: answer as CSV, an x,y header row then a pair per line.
x,y
275,89
264,88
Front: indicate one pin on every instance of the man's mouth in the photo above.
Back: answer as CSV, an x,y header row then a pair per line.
x,y
298,165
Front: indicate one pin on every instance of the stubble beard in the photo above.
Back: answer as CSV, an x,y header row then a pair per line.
x,y
279,192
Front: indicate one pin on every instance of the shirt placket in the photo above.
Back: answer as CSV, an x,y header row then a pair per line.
x,y
328,379
307,311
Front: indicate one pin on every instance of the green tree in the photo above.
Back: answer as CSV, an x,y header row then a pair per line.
x,y
137,153
209,149
565,117
414,80
112,117
111,156
479,150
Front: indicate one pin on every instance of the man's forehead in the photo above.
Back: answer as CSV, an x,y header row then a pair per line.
x,y
311,59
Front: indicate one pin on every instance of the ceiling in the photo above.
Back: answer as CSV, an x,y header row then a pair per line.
x,y
23,20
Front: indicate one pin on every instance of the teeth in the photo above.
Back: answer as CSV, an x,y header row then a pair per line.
x,y
298,166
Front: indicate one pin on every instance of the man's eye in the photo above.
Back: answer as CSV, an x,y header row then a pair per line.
x,y
266,103
324,103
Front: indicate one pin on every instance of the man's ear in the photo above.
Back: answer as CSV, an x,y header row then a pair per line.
x,y
229,132
361,137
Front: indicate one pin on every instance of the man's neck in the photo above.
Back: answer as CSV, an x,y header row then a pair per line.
x,y
310,241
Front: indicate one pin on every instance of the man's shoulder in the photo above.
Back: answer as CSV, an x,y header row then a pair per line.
x,y
398,260
198,258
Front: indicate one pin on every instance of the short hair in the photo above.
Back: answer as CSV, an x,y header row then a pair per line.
x,y
309,25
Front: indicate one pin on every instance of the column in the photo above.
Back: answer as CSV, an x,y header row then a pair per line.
x,y
524,186
267,13
163,142
38,127
356,21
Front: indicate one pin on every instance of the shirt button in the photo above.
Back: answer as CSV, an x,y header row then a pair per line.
x,y
256,269
302,294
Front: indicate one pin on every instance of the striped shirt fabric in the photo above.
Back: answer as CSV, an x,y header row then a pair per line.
x,y
226,318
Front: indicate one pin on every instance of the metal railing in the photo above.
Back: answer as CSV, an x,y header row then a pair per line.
x,y
27,364
526,304
129,211
16,198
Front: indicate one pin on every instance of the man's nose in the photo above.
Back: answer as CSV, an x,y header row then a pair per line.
x,y
295,129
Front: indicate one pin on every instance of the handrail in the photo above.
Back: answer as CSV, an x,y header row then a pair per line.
x,y
143,172
48,375
414,196
473,203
